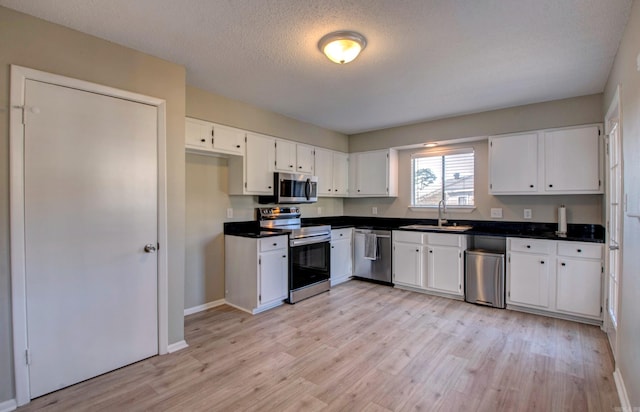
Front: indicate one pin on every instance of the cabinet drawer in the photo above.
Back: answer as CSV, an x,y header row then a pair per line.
x,y
444,239
406,236
337,234
273,243
583,250
530,245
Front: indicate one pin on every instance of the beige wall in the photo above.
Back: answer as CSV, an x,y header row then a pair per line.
x,y
580,209
34,43
626,74
207,190
558,113
215,108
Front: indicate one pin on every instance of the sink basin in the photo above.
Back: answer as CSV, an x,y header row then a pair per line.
x,y
436,227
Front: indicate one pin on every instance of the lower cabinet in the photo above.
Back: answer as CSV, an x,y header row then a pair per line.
x,y
256,272
559,277
341,255
431,262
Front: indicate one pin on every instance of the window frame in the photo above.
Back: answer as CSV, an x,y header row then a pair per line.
x,y
441,153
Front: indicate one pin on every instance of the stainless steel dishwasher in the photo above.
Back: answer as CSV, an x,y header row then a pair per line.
x,y
372,264
484,278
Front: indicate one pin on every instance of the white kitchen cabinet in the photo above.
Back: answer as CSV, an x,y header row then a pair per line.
x,y
513,163
445,269
256,272
341,255
285,156
252,174
211,138
572,161
374,174
407,264
528,279
579,279
547,162
304,158
293,157
332,169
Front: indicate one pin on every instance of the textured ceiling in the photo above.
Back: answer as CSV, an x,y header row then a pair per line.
x,y
425,59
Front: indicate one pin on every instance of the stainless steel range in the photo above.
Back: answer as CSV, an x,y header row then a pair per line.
x,y
309,251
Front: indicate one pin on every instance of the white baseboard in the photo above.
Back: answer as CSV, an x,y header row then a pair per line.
x,y
200,308
622,391
8,406
174,347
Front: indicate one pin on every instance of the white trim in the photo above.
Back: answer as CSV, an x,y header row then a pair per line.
x,y
442,151
625,404
8,406
201,308
434,209
19,76
174,347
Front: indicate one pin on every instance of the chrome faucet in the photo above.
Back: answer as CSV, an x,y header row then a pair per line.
x,y
442,209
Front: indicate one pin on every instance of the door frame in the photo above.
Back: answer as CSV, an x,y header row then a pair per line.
x,y
19,76
614,111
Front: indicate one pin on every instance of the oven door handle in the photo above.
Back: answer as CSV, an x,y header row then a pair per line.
x,y
309,240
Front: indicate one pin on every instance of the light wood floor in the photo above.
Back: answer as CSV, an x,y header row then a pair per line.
x,y
363,347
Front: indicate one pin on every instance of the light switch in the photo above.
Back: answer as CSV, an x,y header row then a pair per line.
x,y
319,210
374,210
527,213
496,212
638,62
229,213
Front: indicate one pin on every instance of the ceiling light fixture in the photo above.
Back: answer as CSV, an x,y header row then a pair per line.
x,y
342,46
430,144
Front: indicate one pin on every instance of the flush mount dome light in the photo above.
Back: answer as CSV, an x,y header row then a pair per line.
x,y
342,46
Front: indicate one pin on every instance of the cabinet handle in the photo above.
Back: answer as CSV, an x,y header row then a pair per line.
x,y
275,244
329,189
290,165
550,185
284,256
579,250
341,234
299,167
431,251
531,186
542,262
358,190
563,264
238,146
335,190
528,246
269,187
202,140
417,250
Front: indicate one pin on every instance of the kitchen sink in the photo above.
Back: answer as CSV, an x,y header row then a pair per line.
x,y
449,228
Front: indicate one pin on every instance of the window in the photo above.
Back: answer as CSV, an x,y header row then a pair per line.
x,y
443,175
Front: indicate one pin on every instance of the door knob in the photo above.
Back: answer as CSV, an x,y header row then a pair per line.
x,y
150,248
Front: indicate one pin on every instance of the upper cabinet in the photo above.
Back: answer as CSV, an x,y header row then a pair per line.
x,y
212,138
332,169
558,161
293,157
252,174
374,174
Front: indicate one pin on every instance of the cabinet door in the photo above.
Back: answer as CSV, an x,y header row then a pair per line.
x,y
197,134
304,158
324,171
444,269
572,160
341,261
259,164
273,276
340,174
407,264
228,140
579,286
529,279
285,156
513,164
372,172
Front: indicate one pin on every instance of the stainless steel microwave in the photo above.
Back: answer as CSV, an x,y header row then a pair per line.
x,y
295,188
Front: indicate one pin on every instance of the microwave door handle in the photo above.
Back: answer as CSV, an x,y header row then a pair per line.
x,y
307,189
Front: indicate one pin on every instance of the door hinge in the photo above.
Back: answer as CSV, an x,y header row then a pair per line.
x,y
460,286
459,254
260,298
509,294
601,310
607,148
601,269
158,247
599,183
212,133
275,144
490,186
259,261
27,357
245,139
491,144
509,259
245,185
212,140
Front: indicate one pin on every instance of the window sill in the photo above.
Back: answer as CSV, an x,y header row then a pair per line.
x,y
449,209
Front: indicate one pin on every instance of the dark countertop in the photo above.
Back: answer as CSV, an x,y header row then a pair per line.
x,y
575,232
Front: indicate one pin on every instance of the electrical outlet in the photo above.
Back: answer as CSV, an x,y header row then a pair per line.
x,y
374,210
229,213
319,210
527,213
496,212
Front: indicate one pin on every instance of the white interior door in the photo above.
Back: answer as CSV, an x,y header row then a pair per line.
x,y
90,193
614,233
